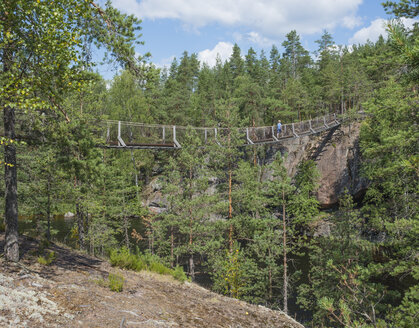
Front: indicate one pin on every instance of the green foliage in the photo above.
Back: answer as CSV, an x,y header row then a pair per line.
x,y
389,145
123,259
403,8
220,216
229,276
47,259
116,282
179,274
303,205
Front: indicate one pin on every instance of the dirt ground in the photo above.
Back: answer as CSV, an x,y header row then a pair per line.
x,y
67,294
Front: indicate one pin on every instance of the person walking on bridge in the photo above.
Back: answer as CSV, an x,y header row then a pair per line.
x,y
278,128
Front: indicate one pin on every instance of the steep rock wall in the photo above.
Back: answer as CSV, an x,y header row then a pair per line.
x,y
336,153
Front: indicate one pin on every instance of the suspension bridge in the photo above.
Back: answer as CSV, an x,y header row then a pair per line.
x,y
131,135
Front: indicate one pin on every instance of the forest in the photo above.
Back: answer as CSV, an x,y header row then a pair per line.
x,y
228,228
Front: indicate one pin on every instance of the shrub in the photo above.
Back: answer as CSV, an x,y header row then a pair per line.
x,y
48,259
179,274
43,244
116,282
159,268
124,259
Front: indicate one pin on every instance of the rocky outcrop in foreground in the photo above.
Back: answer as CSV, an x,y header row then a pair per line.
x,y
66,294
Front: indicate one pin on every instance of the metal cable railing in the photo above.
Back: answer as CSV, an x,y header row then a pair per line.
x,y
122,134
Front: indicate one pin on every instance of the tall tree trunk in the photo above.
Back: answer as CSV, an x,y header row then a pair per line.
x,y
11,247
230,211
191,267
284,228
254,148
92,244
49,208
191,262
270,278
126,231
80,224
124,215
230,200
135,175
172,245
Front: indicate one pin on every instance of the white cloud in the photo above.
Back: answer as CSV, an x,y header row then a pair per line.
x,y
165,62
372,32
351,21
209,56
376,28
255,37
269,17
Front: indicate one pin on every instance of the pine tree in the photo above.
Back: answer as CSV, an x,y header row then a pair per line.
x,y
38,76
281,189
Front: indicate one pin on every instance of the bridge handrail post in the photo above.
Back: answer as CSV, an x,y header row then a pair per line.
x,y
215,136
335,118
247,137
206,135
273,134
164,134
108,132
176,143
121,142
324,122
311,128
293,131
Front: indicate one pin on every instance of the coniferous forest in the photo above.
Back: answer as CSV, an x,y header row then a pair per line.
x,y
228,228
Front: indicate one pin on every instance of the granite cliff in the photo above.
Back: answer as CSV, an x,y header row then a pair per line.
x,y
336,153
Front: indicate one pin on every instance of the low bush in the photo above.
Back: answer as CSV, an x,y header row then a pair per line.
x,y
116,282
124,259
159,268
179,274
47,259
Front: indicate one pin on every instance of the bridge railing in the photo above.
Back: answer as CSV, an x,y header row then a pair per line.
x,y
123,134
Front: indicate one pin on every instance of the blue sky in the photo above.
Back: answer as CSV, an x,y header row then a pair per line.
x,y
211,27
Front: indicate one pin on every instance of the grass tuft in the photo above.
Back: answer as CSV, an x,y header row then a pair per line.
x,y
116,282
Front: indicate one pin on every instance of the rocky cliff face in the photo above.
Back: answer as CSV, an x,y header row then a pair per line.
x,y
336,153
